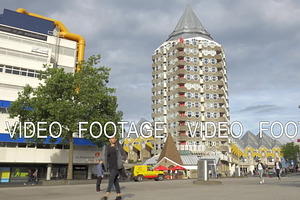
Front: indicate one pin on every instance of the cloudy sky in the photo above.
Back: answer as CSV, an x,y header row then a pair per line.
x,y
261,40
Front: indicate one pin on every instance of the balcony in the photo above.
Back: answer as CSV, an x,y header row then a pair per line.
x,y
181,90
180,54
181,118
179,46
181,99
181,72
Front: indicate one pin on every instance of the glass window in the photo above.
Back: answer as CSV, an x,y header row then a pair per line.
x,y
206,87
213,61
207,96
208,115
189,95
206,78
195,51
213,69
206,69
189,114
188,77
187,50
196,77
195,68
215,96
196,95
216,115
214,87
189,104
194,42
206,60
188,68
187,42
214,78
215,105
197,104
195,60
188,59
197,114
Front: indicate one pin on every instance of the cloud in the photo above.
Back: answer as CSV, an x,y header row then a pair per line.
x,y
261,108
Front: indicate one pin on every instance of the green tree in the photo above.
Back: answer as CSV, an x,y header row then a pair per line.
x,y
290,151
70,98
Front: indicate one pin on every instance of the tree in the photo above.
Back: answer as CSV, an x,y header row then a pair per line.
x,y
70,98
290,151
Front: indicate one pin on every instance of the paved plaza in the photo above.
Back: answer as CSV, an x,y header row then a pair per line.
x,y
231,189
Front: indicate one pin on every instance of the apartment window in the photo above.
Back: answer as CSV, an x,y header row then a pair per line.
x,y
189,104
187,50
216,115
197,104
187,42
197,114
194,42
195,51
206,69
206,60
215,105
174,124
206,78
8,70
214,87
206,87
196,77
188,59
1,68
214,78
189,95
195,60
195,68
207,96
188,77
196,95
215,96
188,68
213,61
213,69
189,114
208,115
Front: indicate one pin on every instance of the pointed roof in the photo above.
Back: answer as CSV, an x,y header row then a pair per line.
x,y
250,139
189,26
170,151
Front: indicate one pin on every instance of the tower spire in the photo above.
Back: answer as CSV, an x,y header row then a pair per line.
x,y
189,26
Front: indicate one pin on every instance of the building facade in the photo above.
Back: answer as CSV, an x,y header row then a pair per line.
x,y
250,148
189,86
28,43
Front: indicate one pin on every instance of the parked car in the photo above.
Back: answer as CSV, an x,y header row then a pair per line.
x,y
139,172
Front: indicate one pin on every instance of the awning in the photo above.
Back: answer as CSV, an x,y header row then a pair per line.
x,y
77,141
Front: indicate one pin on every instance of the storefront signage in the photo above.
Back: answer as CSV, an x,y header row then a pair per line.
x,y
23,33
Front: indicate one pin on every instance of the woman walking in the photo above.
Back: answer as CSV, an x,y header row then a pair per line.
x,y
115,156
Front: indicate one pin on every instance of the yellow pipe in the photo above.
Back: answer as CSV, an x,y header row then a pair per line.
x,y
64,33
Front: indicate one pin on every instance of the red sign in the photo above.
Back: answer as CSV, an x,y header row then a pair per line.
x,y
97,154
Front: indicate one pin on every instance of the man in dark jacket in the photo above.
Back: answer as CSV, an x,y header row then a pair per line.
x,y
278,167
114,158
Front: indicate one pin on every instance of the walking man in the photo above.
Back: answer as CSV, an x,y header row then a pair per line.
x,y
99,175
278,167
114,158
261,168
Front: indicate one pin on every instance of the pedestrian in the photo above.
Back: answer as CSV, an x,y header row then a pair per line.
x,y
278,167
114,158
226,173
35,176
29,177
100,175
260,168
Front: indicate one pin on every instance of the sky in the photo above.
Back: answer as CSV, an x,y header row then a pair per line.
x,y
261,40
